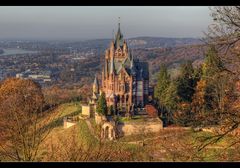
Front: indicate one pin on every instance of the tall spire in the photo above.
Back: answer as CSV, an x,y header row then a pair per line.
x,y
119,23
119,36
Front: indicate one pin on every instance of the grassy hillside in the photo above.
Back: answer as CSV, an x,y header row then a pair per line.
x,y
78,143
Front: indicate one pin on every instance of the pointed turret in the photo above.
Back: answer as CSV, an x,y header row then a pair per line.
x,y
95,85
125,47
118,38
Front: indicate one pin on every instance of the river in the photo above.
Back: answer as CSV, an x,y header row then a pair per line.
x,y
13,51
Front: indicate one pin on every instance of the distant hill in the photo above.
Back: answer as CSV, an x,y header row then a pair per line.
x,y
172,57
143,42
161,42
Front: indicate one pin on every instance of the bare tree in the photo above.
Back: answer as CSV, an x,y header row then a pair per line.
x,y
224,34
21,128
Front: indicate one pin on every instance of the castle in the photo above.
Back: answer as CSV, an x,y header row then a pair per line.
x,y
125,82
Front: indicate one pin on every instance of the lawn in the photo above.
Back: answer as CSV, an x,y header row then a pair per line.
x,y
133,119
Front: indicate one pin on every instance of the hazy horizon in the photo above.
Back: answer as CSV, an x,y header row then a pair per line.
x,y
73,23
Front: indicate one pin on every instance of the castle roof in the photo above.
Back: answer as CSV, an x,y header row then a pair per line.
x,y
118,38
131,66
95,81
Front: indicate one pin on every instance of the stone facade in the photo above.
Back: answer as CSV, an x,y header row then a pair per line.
x,y
69,122
131,128
86,110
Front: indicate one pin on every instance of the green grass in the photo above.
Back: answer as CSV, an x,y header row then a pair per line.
x,y
68,109
96,127
85,134
133,119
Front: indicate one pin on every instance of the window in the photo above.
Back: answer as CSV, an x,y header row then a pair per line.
x,y
127,87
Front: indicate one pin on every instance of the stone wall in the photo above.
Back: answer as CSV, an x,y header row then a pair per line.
x,y
68,124
130,128
99,119
86,110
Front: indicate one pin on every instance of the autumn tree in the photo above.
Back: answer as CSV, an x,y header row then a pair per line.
x,y
102,105
217,84
224,34
21,131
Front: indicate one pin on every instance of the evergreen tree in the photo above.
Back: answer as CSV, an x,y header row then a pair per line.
x,y
163,82
212,68
111,110
170,102
102,105
186,82
209,102
212,63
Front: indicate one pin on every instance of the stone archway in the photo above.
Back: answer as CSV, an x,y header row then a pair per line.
x,y
108,131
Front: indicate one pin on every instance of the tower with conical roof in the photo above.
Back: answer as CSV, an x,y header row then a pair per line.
x,y
118,38
95,85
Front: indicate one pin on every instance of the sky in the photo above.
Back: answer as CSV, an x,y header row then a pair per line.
x,y
96,22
